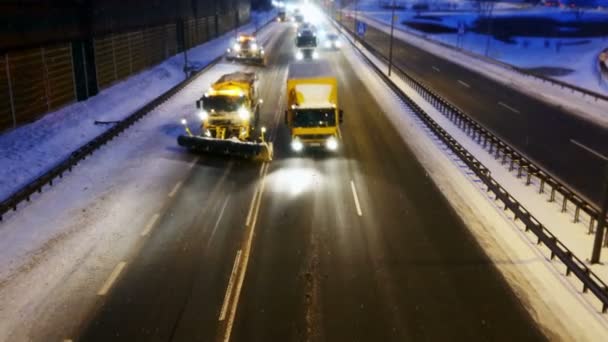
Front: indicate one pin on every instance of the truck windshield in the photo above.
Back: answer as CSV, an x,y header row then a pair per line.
x,y
325,117
222,103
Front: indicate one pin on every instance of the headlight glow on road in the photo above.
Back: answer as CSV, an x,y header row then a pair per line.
x,y
294,181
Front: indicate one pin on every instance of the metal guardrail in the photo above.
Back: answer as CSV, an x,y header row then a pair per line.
x,y
523,72
27,191
574,265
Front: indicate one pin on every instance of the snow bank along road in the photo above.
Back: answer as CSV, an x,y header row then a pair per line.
x,y
542,131
358,246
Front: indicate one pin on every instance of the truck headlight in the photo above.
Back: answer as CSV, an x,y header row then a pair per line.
x,y
337,43
236,47
332,144
299,55
203,115
296,145
315,55
244,114
254,47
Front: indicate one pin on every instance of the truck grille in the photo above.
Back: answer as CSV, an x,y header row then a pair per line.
x,y
314,136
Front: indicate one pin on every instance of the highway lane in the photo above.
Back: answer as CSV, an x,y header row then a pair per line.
x,y
540,130
173,288
358,246
363,247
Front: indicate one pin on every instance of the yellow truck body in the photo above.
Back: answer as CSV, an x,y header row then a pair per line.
x,y
313,114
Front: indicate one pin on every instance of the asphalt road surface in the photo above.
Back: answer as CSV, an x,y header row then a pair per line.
x,y
540,130
360,246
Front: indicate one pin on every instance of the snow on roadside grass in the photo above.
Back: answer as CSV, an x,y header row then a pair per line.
x,y
555,301
30,150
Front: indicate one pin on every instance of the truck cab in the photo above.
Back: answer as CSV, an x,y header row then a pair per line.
x,y
306,44
313,114
230,109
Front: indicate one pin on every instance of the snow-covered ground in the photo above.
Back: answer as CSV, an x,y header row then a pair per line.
x,y
584,106
32,149
555,301
95,217
574,58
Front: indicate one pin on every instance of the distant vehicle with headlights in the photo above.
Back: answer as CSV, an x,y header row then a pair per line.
x,y
281,16
246,49
313,114
306,44
229,114
332,42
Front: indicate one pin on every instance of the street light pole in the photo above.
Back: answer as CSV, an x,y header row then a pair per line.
x,y
390,50
601,219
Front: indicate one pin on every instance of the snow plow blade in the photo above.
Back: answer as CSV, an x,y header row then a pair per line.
x,y
227,147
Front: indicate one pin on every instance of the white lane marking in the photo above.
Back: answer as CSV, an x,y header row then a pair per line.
x,y
251,207
111,279
175,188
219,219
194,162
352,186
228,294
509,107
436,69
245,260
589,149
464,84
150,224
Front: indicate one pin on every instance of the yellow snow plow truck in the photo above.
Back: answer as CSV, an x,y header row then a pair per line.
x,y
313,114
229,114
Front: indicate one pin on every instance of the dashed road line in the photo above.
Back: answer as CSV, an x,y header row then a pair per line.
x,y
244,261
357,205
464,84
219,219
436,69
175,189
150,224
589,149
228,294
111,279
194,162
509,107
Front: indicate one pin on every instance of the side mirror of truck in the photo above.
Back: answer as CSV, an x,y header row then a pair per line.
x,y
199,104
341,114
285,117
